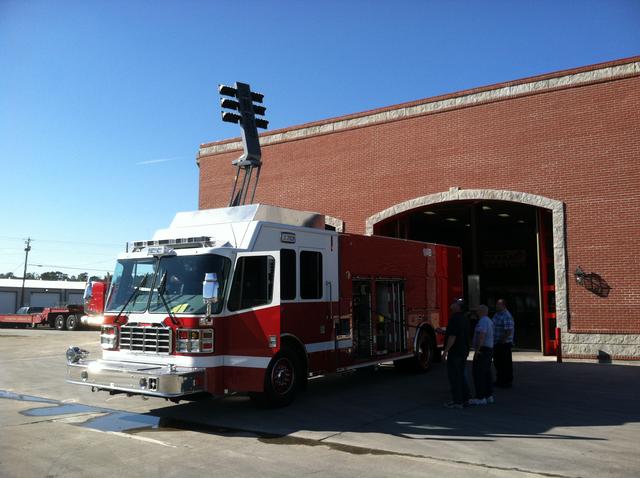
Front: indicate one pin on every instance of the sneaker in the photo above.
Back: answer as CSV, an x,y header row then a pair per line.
x,y
478,401
491,400
453,405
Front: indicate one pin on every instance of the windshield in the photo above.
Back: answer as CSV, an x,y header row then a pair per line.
x,y
129,275
183,283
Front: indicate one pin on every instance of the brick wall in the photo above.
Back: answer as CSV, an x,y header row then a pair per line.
x,y
575,143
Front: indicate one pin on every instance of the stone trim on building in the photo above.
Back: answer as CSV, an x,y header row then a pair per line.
x,y
338,224
593,345
457,194
428,107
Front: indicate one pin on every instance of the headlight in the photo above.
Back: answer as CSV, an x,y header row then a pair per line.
x,y
194,341
109,337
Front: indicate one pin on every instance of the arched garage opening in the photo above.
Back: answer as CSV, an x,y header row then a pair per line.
x,y
509,251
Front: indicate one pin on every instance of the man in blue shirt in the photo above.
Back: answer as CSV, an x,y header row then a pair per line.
x,y
503,342
483,346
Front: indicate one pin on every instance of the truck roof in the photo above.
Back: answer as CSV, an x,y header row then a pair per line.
x,y
251,212
234,225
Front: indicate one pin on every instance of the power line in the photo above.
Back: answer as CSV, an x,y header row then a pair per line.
x,y
67,267
109,244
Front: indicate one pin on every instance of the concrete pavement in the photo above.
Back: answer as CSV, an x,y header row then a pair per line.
x,y
570,419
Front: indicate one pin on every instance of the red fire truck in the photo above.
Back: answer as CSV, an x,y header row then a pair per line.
x,y
283,300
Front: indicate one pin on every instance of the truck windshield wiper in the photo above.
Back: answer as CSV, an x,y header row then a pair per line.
x,y
143,282
161,288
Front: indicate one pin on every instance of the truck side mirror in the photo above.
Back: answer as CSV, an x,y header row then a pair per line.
x,y
210,288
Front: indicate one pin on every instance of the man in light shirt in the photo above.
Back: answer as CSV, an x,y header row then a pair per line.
x,y
483,345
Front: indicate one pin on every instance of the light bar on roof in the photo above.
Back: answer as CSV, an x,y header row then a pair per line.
x,y
177,242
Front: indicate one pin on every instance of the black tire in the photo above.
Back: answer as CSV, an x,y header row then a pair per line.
x,y
281,381
425,351
72,322
60,322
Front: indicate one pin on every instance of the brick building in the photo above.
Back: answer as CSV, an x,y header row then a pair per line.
x,y
536,179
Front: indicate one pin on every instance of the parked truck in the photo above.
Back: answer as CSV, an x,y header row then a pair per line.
x,y
69,317
283,300
61,318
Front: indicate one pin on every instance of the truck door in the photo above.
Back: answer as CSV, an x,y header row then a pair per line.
x,y
254,302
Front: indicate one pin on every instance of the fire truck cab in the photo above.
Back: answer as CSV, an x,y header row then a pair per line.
x,y
286,300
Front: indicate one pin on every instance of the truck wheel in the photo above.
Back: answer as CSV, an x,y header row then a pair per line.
x,y
425,352
72,322
281,381
60,322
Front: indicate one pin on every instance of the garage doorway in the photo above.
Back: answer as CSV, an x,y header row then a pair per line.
x,y
44,299
7,302
507,253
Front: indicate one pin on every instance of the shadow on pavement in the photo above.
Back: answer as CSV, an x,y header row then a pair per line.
x,y
545,396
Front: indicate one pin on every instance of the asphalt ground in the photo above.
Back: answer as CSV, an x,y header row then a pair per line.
x,y
566,420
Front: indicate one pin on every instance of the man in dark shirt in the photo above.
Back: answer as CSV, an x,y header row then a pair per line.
x,y
456,349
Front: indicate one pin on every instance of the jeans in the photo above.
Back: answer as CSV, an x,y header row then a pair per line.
x,y
504,366
456,365
482,378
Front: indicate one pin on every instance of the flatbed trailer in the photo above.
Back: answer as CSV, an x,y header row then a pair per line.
x,y
60,318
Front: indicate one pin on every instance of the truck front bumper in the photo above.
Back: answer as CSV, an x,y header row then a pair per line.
x,y
137,378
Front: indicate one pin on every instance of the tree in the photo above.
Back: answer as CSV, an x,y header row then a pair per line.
x,y
7,275
57,275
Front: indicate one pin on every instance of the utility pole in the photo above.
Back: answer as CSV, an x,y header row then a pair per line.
x,y
24,274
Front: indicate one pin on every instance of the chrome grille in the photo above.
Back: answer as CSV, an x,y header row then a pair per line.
x,y
146,340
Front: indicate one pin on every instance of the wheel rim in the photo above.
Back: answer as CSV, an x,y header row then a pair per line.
x,y
282,376
59,321
71,322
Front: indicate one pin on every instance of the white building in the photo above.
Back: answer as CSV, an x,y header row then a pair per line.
x,y
39,293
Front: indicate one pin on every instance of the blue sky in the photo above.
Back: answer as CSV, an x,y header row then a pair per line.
x,y
103,104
